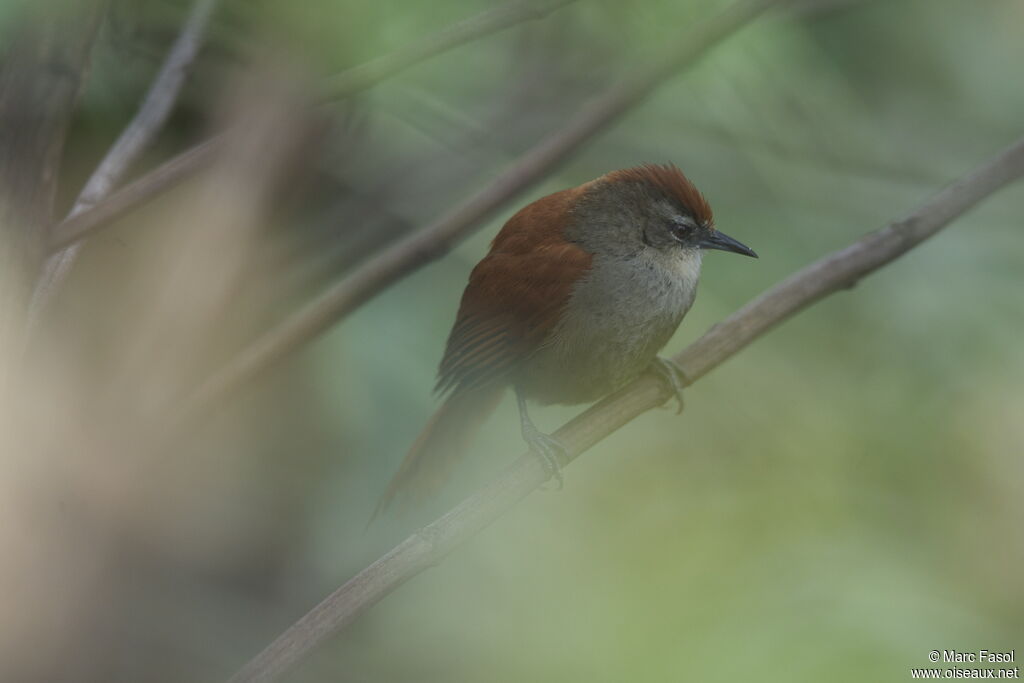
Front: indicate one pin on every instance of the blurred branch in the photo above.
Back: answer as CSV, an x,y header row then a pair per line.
x,y
840,270
436,239
363,76
44,60
42,70
80,224
133,141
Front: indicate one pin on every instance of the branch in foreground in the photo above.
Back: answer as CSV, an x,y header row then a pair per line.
x,y
839,270
44,59
133,141
80,224
438,238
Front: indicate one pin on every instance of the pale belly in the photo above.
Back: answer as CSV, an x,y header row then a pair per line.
x,y
616,322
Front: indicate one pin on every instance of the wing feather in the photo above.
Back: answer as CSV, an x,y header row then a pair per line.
x,y
515,295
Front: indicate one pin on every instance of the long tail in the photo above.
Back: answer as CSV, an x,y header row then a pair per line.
x,y
441,444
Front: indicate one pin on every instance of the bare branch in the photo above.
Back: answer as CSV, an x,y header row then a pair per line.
x,y
42,71
43,65
79,225
438,238
134,140
839,270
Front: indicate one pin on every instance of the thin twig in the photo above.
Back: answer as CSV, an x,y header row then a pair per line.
x,y
438,238
43,67
839,270
133,141
79,226
83,223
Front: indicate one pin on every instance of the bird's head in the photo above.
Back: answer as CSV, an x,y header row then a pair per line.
x,y
652,206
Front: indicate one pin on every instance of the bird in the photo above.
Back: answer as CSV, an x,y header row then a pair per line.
x,y
579,292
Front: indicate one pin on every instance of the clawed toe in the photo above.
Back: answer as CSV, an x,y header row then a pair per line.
x,y
551,453
674,375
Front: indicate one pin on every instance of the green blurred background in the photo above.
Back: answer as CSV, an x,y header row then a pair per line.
x,y
836,501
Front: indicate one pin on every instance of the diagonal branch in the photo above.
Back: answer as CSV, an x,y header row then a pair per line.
x,y
839,270
80,224
44,62
438,238
133,141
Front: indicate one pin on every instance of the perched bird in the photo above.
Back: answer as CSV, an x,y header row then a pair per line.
x,y
579,292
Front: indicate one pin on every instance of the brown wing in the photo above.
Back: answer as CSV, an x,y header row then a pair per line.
x,y
515,295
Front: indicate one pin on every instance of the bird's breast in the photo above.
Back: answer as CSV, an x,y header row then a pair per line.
x,y
620,314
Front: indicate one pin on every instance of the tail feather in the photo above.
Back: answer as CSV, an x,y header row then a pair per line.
x,y
441,444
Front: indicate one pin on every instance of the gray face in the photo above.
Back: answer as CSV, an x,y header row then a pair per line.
x,y
627,218
624,219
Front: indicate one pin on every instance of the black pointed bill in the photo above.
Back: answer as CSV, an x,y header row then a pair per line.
x,y
721,241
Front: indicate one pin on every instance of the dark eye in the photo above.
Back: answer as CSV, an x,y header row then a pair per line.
x,y
682,229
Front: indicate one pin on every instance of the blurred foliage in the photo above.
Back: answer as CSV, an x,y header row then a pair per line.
x,y
838,500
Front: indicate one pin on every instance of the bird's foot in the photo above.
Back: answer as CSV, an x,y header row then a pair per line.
x,y
550,451
673,374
